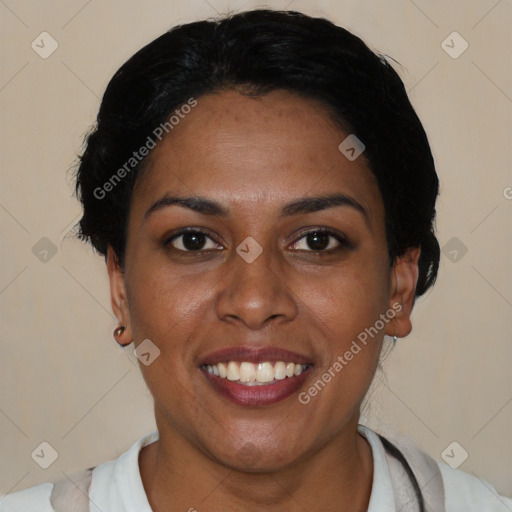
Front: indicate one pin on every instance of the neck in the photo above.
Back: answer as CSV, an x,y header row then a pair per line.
x,y
338,478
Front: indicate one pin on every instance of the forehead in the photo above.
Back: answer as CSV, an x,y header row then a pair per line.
x,y
244,149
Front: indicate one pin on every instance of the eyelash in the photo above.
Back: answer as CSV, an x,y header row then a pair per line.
x,y
341,239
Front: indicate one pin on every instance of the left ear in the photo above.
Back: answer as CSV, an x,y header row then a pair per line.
x,y
404,277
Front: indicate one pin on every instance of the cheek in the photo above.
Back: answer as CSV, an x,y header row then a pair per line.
x,y
343,310
348,297
167,309
165,305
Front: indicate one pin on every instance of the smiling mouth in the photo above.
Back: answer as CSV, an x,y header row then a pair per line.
x,y
255,374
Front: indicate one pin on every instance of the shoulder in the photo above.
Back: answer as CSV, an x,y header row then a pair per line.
x,y
34,499
107,484
465,492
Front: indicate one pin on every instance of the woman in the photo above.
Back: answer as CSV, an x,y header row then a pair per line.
x,y
264,195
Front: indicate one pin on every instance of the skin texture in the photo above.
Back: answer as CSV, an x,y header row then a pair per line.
x,y
253,155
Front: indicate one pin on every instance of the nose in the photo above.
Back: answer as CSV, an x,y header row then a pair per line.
x,y
255,294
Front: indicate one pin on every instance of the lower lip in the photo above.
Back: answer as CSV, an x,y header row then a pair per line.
x,y
257,395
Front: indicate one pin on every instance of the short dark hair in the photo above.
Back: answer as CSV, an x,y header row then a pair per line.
x,y
256,52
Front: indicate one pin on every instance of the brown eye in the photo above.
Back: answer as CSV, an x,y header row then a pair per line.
x,y
191,241
320,240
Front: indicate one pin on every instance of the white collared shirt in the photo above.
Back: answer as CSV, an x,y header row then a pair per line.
x,y
116,486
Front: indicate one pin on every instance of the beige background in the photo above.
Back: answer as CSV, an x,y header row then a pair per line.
x,y
63,379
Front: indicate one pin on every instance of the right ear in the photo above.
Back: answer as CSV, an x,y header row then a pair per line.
x,y
118,297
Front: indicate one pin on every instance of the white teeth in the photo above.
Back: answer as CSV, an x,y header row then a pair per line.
x,y
233,371
222,370
279,370
247,372
265,372
251,374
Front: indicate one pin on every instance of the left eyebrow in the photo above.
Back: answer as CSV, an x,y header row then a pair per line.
x,y
317,203
297,206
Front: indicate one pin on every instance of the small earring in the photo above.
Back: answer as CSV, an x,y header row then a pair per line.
x,y
119,330
394,339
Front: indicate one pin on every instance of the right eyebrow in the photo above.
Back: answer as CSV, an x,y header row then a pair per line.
x,y
198,204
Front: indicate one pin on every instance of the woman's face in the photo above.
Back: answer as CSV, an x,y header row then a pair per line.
x,y
269,272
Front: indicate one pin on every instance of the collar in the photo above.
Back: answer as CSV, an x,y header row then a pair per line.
x,y
119,481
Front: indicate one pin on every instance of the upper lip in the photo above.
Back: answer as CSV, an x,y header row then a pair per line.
x,y
253,355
